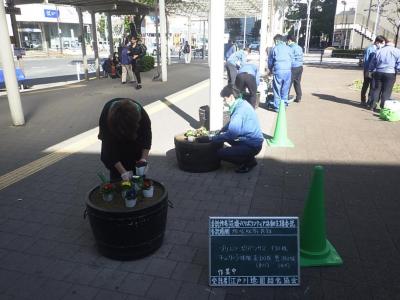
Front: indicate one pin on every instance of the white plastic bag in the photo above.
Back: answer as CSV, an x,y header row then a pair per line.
x,y
392,105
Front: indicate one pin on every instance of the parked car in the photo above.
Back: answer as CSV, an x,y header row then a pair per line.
x,y
255,46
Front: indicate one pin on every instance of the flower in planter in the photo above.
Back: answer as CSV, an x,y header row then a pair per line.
x,y
202,131
107,190
147,188
130,198
125,186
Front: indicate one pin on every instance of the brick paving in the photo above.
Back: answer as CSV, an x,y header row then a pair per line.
x,y
47,250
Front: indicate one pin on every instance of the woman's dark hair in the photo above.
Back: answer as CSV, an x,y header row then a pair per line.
x,y
380,39
230,90
123,119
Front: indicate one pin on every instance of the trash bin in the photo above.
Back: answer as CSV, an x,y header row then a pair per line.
x,y
204,117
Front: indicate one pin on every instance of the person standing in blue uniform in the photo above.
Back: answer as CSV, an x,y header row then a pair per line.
x,y
369,53
384,66
280,61
297,66
234,62
247,81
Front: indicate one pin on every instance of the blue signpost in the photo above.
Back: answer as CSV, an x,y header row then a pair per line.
x,y
51,13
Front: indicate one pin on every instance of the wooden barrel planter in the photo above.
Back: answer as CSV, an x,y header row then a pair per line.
x,y
196,157
128,233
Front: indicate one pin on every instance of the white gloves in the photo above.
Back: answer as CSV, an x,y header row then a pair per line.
x,y
127,175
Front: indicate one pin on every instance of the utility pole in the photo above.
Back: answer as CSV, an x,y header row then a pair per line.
x,y
378,13
344,24
366,26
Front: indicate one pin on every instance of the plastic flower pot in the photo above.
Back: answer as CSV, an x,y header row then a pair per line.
x,y
130,198
108,197
148,192
141,168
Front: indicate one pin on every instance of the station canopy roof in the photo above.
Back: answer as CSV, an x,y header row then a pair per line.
x,y
199,8
194,8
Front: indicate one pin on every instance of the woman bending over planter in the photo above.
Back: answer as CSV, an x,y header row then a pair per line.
x,y
242,132
125,132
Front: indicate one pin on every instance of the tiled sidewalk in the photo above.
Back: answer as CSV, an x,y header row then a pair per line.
x,y
47,249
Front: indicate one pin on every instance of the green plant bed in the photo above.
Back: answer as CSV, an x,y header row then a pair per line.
x,y
357,84
340,53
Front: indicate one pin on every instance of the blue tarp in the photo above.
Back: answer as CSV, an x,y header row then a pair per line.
x,y
18,71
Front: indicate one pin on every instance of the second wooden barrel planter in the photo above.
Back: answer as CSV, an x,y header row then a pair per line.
x,y
196,157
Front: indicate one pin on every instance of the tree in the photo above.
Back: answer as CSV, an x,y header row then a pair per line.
x,y
101,27
255,31
234,27
322,15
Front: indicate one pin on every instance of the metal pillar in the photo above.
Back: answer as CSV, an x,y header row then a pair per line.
x,y
209,38
110,34
204,40
263,36
95,47
352,30
163,35
308,25
14,25
216,47
10,78
83,43
244,32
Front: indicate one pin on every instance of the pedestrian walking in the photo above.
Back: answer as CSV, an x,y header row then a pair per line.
x,y
369,53
230,48
242,133
126,63
186,52
384,66
137,51
125,134
247,81
297,67
280,61
234,62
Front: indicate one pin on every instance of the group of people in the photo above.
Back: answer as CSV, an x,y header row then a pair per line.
x,y
127,63
125,127
381,62
285,63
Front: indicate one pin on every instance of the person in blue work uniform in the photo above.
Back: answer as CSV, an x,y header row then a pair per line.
x,y
280,61
247,81
297,66
384,66
234,62
369,53
230,48
242,132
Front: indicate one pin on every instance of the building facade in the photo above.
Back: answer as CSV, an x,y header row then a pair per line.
x,y
357,22
45,26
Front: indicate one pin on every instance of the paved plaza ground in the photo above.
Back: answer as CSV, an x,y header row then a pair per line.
x,y
47,250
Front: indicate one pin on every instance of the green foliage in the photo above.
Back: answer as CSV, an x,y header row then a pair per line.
x,y
357,84
147,63
322,15
234,27
255,31
340,53
101,27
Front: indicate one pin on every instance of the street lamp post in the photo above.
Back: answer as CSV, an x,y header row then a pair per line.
x,y
343,24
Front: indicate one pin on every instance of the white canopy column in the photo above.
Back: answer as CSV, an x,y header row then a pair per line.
x,y
263,36
6,56
216,52
163,35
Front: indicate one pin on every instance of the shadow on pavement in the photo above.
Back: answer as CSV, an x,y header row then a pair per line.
x,y
43,232
192,121
337,100
338,66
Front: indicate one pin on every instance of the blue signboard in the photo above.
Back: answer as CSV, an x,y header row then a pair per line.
x,y
51,13
254,251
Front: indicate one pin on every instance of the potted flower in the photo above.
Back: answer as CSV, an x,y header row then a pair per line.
x,y
130,198
126,185
147,188
192,134
141,168
107,190
137,182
